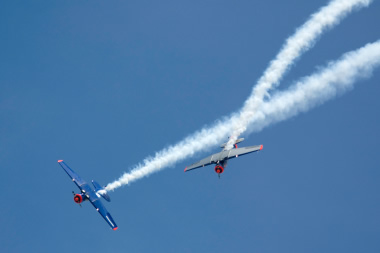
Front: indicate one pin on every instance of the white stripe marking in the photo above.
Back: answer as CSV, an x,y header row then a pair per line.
x,y
110,221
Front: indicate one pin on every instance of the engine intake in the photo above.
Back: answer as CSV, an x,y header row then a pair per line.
x,y
219,169
78,198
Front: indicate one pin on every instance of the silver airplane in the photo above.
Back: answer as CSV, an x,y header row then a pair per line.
x,y
221,158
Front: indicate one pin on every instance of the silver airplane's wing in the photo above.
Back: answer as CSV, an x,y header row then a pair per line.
x,y
243,151
224,155
204,162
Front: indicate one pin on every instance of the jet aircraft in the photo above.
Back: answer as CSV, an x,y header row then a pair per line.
x,y
87,193
221,158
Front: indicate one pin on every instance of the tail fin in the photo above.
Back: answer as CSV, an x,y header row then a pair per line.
x,y
236,142
101,191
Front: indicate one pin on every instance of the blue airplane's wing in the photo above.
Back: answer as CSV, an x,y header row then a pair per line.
x,y
103,212
89,194
74,176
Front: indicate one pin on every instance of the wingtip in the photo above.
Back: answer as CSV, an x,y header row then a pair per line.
x,y
115,228
261,147
185,169
60,161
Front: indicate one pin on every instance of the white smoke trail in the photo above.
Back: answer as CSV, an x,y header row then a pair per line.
x,y
336,78
199,141
302,40
311,91
209,137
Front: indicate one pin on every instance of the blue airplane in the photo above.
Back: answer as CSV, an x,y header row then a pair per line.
x,y
87,193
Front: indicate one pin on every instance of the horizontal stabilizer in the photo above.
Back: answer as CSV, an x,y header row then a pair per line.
x,y
101,191
236,142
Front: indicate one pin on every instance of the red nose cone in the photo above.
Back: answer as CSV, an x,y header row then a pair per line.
x,y
115,228
261,147
219,169
60,161
78,198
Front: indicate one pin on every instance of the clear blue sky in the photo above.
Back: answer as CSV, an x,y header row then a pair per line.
x,y
104,84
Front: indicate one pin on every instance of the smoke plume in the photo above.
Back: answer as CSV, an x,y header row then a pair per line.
x,y
303,39
257,114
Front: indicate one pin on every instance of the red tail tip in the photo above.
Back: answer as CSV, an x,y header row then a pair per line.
x,y
60,161
185,169
261,147
115,228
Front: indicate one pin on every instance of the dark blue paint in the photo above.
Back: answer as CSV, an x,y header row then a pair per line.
x,y
88,193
